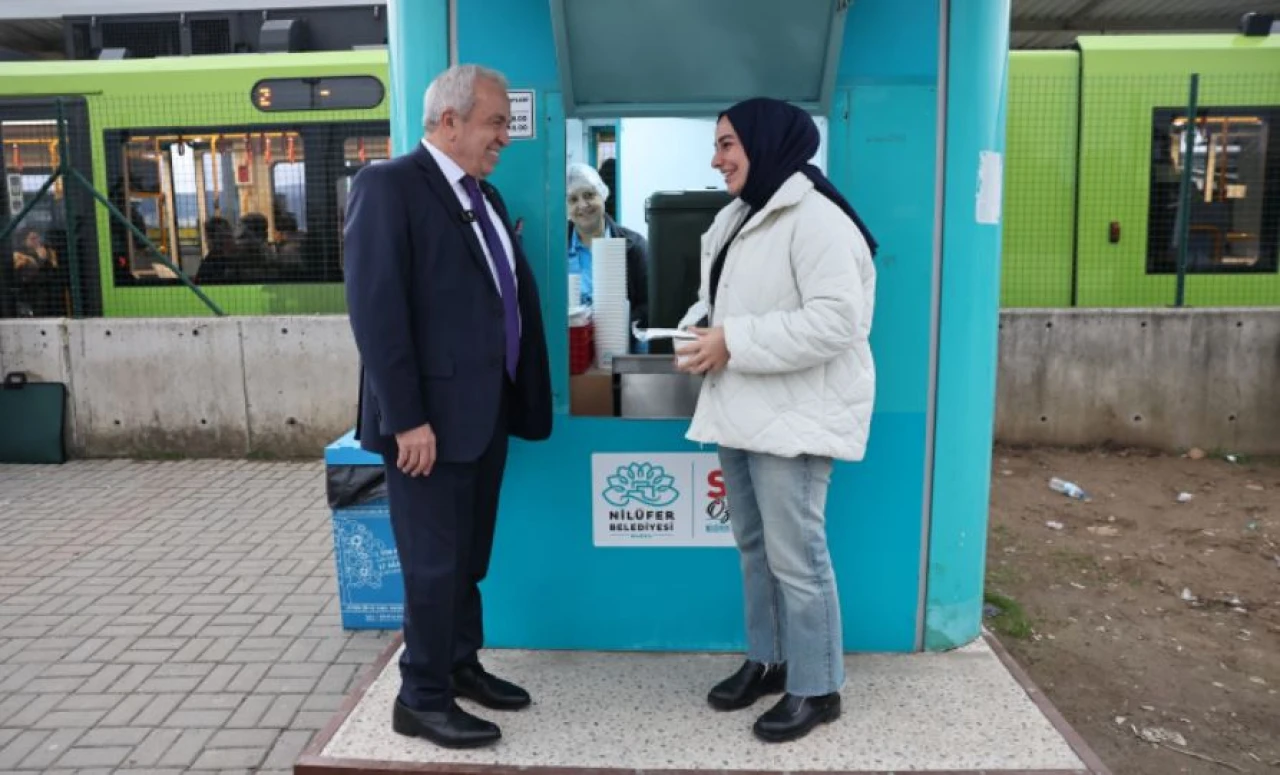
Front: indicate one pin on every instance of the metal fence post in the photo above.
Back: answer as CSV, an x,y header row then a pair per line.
x,y
68,203
1184,190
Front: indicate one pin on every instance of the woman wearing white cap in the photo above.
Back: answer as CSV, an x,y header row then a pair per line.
x,y
586,194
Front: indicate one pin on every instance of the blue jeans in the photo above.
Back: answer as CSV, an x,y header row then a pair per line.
x,y
777,510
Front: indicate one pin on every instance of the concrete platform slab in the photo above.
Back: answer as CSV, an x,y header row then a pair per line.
x,y
967,711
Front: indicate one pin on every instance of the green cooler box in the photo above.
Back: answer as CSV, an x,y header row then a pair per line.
x,y
677,220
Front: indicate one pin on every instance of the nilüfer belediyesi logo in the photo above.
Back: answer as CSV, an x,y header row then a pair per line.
x,y
648,489
642,483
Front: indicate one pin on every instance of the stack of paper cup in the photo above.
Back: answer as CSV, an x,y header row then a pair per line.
x,y
611,310
575,292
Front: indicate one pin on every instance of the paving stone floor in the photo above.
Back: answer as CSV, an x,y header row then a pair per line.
x,y
168,617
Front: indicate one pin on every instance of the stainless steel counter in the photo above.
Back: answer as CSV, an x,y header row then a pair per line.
x,y
649,386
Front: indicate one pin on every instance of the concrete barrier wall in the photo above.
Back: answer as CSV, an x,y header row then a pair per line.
x,y
301,382
159,385
1159,378
227,387
287,386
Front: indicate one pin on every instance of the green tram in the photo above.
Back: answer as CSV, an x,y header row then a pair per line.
x,y
1094,162
236,167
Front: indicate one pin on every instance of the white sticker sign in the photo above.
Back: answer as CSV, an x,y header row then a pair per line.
x,y
659,500
522,126
990,187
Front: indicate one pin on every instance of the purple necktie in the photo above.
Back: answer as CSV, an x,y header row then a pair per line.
x,y
502,266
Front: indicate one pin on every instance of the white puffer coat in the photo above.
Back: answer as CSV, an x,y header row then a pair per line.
x,y
796,298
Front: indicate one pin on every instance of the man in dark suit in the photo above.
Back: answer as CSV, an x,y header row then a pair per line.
x,y
448,323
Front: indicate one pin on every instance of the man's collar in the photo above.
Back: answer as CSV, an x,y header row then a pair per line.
x,y
452,172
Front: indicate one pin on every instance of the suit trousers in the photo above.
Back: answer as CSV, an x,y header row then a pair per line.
x,y
443,525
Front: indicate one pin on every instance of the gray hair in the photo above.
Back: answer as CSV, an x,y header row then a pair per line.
x,y
455,89
582,176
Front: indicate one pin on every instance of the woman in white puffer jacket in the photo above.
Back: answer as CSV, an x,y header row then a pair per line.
x,y
783,320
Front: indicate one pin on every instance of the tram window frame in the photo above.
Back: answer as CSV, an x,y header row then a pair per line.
x,y
42,137
320,143
316,93
1165,176
346,173
32,157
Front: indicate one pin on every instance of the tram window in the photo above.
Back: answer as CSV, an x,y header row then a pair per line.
x,y
289,182
357,153
30,157
334,93
1234,202
237,205
214,204
38,244
186,208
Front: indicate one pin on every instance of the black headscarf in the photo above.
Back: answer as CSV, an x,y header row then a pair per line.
x,y
779,139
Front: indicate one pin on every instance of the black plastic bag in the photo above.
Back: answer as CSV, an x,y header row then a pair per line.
x,y
349,486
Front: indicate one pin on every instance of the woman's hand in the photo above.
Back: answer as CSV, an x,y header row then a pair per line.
x,y
709,353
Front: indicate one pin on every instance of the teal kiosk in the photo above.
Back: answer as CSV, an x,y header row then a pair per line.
x,y
913,96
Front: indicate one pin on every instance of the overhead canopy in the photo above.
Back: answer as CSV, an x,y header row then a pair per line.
x,y
681,58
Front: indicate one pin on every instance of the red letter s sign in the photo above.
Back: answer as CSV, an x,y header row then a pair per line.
x,y
715,480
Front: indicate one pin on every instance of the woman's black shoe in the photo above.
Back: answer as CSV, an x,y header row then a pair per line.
x,y
752,681
794,717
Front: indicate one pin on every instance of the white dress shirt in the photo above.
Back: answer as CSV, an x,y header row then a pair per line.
x,y
454,174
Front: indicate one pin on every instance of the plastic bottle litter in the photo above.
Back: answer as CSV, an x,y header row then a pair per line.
x,y
1159,735
1069,489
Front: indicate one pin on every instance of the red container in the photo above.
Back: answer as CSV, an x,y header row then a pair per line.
x,y
581,348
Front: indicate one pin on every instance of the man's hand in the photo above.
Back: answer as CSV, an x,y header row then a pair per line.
x,y
417,451
709,353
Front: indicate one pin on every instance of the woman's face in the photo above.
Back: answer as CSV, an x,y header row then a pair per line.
x,y
730,158
585,207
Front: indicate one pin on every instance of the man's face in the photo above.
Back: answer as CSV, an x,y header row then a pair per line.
x,y
479,137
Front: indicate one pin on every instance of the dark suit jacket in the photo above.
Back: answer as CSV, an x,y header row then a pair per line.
x,y
427,315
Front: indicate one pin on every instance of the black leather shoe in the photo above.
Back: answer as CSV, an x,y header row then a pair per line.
x,y
477,685
452,728
794,717
752,681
